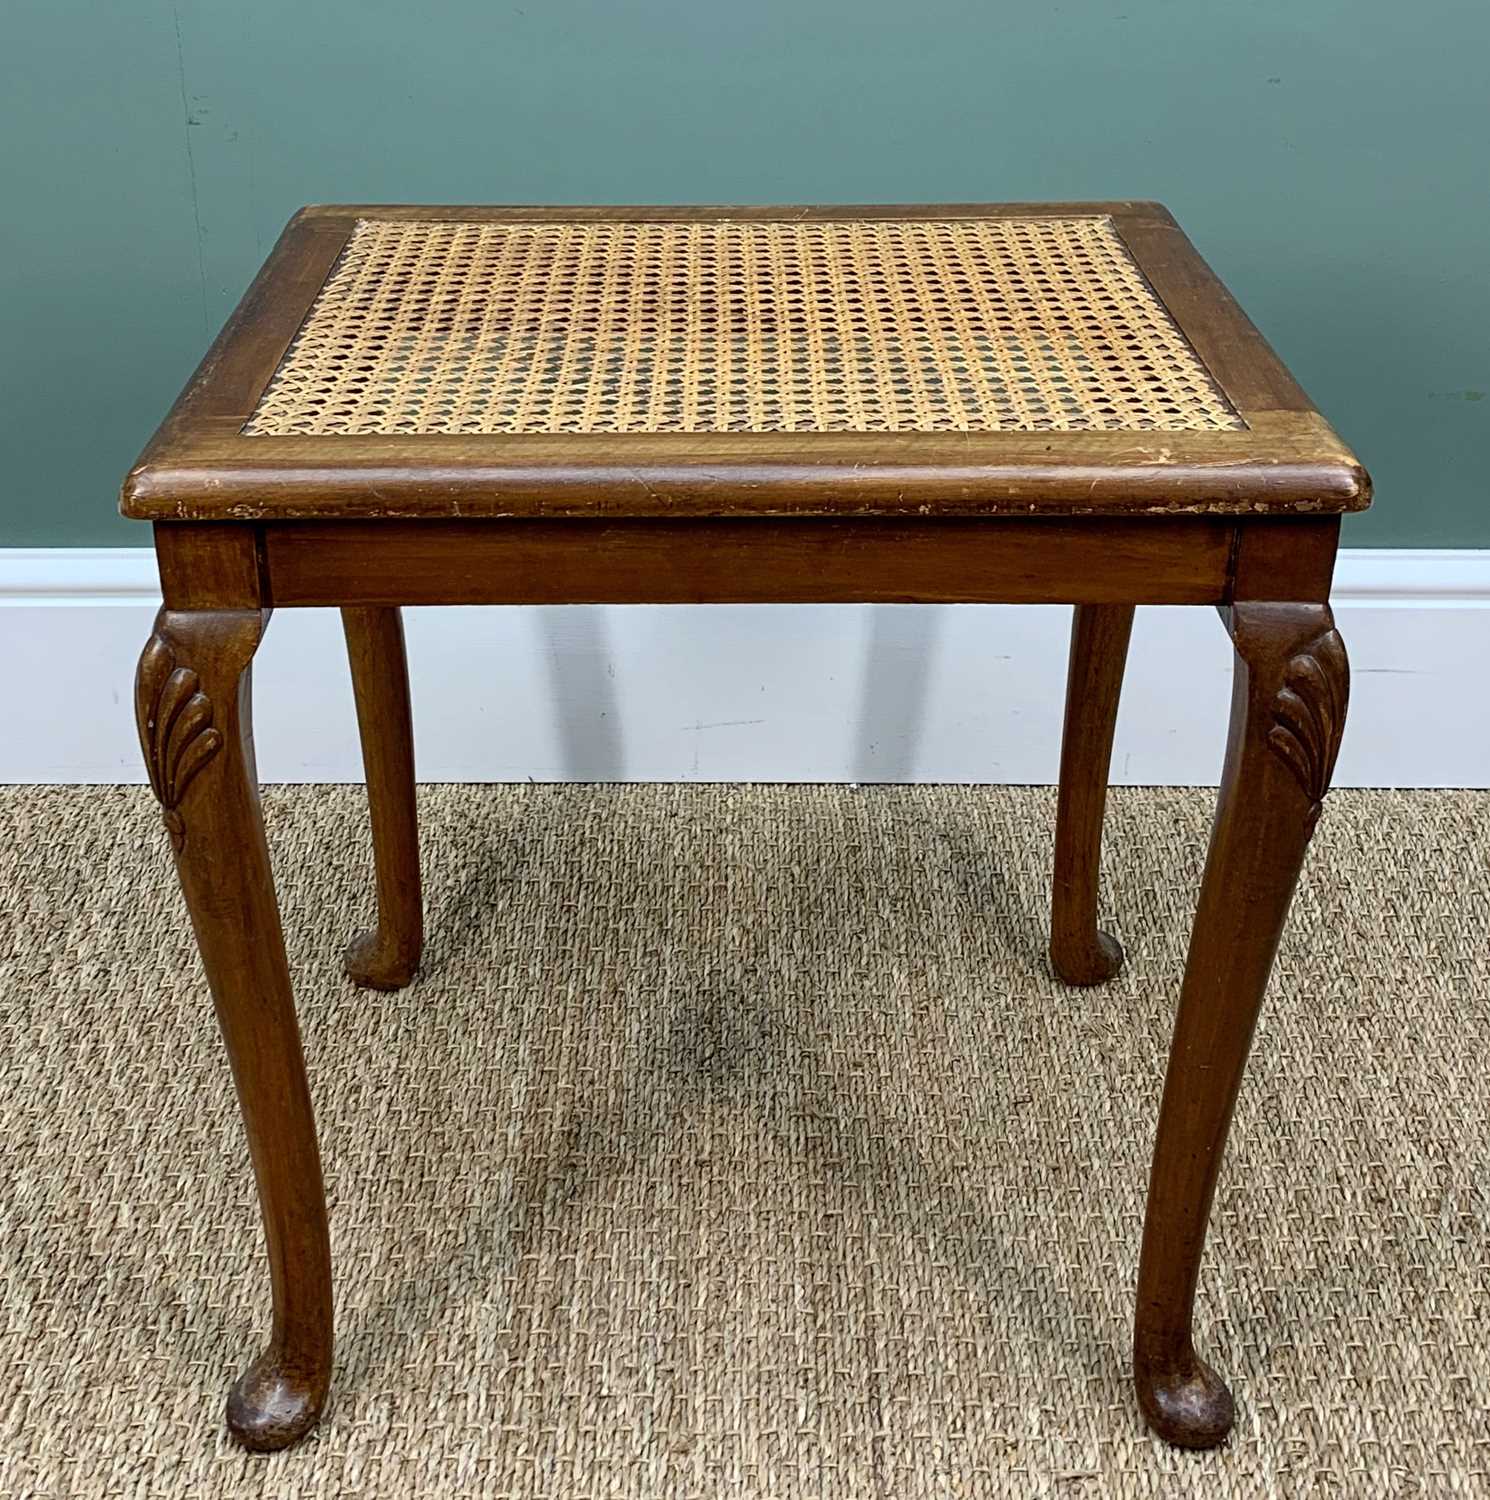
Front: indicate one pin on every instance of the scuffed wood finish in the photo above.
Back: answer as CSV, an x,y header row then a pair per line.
x,y
1080,952
386,957
201,466
219,474
193,703
1287,715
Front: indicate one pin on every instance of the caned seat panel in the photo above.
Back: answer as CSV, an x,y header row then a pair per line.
x,y
891,326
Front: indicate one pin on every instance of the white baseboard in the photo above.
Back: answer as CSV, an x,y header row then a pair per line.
x,y
749,692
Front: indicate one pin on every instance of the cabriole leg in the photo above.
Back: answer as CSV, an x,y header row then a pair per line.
x,y
1080,952
386,957
193,706
1287,712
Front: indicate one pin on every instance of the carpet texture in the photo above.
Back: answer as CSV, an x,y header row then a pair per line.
x,y
735,1141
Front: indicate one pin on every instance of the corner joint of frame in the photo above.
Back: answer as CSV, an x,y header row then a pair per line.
x,y
212,565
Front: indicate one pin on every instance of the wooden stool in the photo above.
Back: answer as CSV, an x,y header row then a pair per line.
x,y
1017,404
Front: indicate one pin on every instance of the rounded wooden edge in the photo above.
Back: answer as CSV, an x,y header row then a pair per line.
x,y
272,1406
469,485
1186,1404
1087,966
375,965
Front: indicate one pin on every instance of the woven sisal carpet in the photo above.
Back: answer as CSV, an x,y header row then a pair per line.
x,y
736,1142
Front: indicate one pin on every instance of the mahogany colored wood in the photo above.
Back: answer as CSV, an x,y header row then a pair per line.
x,y
763,561
1079,951
1245,519
1285,559
205,566
193,706
1287,712
386,957
747,474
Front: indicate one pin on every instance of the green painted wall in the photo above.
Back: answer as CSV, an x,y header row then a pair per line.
x,y
1329,156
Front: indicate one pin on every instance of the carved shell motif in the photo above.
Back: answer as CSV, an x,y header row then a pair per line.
x,y
176,730
1309,713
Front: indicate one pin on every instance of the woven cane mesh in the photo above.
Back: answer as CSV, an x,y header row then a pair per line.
x,y
713,326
